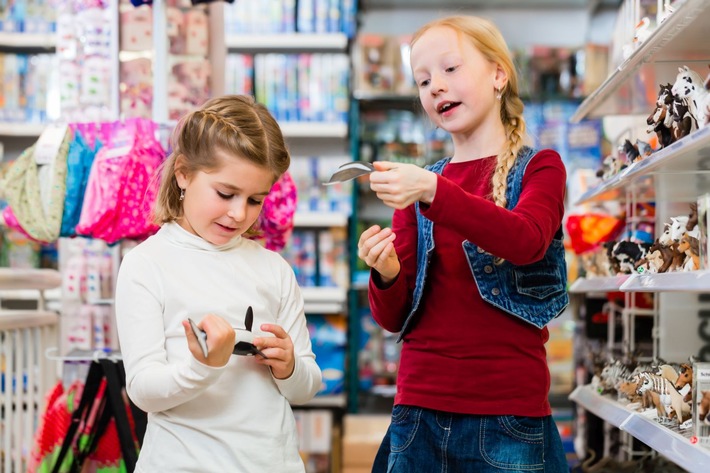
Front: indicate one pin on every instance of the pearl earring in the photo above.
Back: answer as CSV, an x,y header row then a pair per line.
x,y
182,194
499,93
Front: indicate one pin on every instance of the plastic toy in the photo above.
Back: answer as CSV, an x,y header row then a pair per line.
x,y
244,345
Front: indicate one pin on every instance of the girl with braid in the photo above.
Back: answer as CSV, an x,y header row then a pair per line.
x,y
471,269
210,411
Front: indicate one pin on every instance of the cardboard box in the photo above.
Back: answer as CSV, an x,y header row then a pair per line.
x,y
701,404
362,435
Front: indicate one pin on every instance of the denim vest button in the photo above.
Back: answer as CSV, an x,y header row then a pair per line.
x,y
495,291
480,250
488,269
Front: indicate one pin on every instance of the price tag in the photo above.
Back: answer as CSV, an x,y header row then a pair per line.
x,y
48,144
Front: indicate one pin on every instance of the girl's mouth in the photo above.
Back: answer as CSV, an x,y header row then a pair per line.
x,y
446,107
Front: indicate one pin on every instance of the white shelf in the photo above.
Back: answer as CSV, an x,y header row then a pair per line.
x,y
599,284
324,300
679,281
681,39
668,443
21,129
320,219
288,41
28,40
326,401
683,156
314,129
603,407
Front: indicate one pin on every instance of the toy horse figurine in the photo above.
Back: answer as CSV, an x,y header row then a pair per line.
x,y
689,85
660,120
244,339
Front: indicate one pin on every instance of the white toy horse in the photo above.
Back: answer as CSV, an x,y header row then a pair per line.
x,y
689,85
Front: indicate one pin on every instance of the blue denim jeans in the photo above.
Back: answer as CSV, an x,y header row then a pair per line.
x,y
427,441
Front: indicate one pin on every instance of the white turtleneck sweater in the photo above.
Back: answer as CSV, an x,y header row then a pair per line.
x,y
236,418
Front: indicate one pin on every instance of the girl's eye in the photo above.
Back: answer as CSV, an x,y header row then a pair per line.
x,y
451,69
424,83
224,196
255,202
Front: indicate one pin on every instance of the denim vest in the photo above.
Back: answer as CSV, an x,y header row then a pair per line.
x,y
535,293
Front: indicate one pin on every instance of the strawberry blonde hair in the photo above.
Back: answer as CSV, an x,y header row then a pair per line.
x,y
486,37
234,124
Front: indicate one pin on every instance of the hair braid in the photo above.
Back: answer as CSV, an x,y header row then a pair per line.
x,y
511,113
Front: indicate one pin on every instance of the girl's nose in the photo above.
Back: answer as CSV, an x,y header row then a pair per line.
x,y
438,85
237,210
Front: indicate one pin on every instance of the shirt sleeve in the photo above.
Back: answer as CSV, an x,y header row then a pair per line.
x,y
152,382
390,305
305,381
532,224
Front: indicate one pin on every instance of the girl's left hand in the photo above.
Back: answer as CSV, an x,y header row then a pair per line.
x,y
399,185
279,350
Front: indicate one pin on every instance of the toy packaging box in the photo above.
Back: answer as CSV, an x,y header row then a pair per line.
x,y
701,404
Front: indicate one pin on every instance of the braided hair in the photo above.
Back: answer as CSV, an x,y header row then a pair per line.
x,y
486,37
234,124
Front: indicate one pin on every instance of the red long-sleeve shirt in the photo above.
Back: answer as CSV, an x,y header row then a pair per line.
x,y
462,354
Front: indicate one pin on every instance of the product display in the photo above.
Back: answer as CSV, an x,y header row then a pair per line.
x,y
92,90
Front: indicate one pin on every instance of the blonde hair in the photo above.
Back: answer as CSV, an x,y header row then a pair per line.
x,y
234,124
486,37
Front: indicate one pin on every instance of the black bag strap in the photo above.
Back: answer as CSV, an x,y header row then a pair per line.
x,y
97,431
140,418
82,412
118,407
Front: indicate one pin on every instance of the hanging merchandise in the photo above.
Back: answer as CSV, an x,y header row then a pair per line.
x,y
35,185
79,161
275,222
88,427
123,184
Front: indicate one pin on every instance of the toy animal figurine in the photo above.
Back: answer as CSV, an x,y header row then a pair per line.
x,y
690,247
660,120
704,406
685,377
669,397
244,338
644,149
684,123
692,217
689,85
627,254
632,154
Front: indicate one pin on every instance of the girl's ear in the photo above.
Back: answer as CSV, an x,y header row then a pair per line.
x,y
501,78
180,175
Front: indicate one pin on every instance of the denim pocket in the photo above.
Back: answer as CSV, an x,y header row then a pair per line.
x,y
513,443
404,426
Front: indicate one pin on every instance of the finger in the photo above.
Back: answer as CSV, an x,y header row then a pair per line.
x,y
370,246
383,165
368,233
277,330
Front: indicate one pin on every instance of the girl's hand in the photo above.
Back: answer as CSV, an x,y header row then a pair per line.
x,y
278,349
399,185
220,340
376,249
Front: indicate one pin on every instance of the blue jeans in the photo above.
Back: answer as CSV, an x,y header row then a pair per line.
x,y
424,440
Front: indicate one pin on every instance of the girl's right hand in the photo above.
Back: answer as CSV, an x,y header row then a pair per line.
x,y
376,249
220,340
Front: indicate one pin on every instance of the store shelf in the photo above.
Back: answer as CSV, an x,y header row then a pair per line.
x,y
21,129
314,129
601,406
682,157
679,281
327,401
299,42
320,219
632,87
28,40
324,300
599,284
665,441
